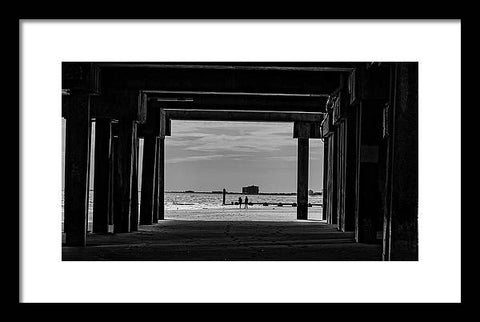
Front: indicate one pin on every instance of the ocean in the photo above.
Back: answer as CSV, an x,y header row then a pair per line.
x,y
175,201
184,201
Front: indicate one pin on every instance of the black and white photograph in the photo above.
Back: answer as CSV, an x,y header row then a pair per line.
x,y
240,161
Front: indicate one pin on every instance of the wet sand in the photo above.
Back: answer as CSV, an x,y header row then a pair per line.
x,y
253,213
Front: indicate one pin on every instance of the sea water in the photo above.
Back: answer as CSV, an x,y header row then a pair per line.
x,y
199,201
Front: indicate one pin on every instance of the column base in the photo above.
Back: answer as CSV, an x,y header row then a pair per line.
x,y
302,212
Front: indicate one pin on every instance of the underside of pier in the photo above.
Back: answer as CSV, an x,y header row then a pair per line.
x,y
365,113
227,240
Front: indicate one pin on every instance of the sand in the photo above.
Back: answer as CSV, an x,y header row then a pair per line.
x,y
234,213
261,234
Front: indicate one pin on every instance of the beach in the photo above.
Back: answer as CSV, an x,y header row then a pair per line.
x,y
192,235
198,227
234,213
208,206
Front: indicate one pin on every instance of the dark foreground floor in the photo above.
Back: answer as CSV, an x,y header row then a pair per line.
x,y
226,240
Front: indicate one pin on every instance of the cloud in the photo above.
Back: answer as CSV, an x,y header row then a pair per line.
x,y
205,155
194,158
289,158
236,137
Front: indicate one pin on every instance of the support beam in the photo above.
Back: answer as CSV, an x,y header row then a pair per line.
x,y
161,177
115,77
358,145
332,182
373,82
242,115
302,178
352,160
123,178
238,101
111,182
402,206
325,179
311,130
120,105
325,67
340,174
148,173
101,175
77,156
155,184
370,214
159,200
134,189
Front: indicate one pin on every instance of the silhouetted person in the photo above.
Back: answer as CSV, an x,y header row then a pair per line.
x,y
240,202
246,202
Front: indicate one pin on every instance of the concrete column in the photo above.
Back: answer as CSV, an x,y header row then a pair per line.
x,y
402,206
134,190
123,178
358,144
113,153
302,178
77,156
330,178
159,212
148,173
101,175
155,184
352,160
374,81
334,182
370,214
338,165
325,179
341,167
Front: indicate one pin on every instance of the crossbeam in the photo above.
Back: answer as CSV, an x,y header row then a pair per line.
x,y
240,115
239,101
151,77
325,67
233,93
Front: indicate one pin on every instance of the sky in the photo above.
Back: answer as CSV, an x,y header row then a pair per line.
x,y
207,156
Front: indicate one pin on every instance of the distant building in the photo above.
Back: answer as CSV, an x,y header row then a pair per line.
x,y
250,190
